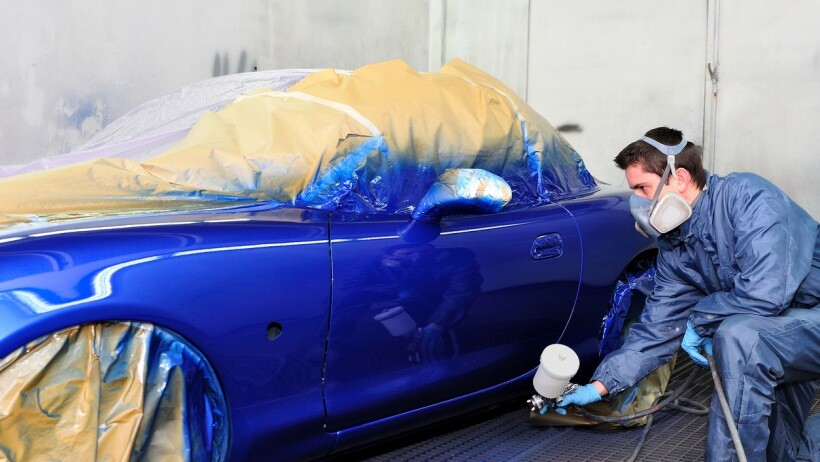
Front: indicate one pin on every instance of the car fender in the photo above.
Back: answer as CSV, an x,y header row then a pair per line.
x,y
252,295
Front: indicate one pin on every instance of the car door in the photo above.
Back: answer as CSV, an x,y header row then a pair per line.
x,y
417,323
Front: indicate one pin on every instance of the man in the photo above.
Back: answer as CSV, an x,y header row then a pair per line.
x,y
740,277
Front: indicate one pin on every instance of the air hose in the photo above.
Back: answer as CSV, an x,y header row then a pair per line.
x,y
727,413
670,401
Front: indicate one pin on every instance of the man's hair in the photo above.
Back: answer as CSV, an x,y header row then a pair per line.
x,y
653,161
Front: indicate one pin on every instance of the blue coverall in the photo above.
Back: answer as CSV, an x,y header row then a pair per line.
x,y
744,270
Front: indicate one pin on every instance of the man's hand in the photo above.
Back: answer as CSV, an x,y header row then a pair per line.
x,y
693,343
582,396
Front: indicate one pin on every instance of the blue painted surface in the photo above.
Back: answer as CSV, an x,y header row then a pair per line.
x,y
481,308
610,241
219,279
217,284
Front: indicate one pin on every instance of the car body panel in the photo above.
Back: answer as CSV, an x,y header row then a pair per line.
x,y
610,243
218,280
495,305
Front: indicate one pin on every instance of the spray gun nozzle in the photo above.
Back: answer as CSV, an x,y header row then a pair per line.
x,y
537,402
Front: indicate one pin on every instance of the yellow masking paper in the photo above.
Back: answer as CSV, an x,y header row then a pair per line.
x,y
268,146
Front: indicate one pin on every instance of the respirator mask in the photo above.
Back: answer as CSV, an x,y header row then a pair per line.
x,y
656,217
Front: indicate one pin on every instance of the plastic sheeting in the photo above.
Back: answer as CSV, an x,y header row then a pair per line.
x,y
112,391
156,125
370,141
464,189
640,278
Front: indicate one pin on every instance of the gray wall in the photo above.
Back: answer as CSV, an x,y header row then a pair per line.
x,y
768,108
606,72
69,68
616,73
347,34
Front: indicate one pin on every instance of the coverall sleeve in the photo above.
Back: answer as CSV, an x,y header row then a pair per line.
x,y
656,337
769,270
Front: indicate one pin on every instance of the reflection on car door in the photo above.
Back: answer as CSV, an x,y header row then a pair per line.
x,y
417,323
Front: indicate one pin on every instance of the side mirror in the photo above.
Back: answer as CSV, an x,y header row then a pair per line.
x,y
463,190
457,190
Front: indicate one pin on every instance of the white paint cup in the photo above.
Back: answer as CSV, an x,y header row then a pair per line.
x,y
558,365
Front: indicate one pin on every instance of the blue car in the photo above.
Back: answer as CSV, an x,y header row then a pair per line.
x,y
408,275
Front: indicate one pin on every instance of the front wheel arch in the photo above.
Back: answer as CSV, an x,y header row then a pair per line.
x,y
128,389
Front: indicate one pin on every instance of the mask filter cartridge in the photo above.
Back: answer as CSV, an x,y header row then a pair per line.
x,y
670,212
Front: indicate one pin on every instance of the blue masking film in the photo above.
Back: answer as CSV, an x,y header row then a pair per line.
x,y
329,190
641,280
458,189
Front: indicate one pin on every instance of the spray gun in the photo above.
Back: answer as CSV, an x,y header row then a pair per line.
x,y
558,365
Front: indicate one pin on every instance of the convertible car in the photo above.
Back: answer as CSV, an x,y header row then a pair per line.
x,y
287,264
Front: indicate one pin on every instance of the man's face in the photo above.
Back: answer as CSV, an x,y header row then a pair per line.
x,y
644,183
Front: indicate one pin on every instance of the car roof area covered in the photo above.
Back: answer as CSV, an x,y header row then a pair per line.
x,y
371,140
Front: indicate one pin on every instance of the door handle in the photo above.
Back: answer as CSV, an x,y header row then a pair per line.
x,y
546,246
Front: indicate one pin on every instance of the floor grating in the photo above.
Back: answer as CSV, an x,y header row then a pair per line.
x,y
505,435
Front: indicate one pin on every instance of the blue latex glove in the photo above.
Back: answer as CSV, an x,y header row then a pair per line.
x,y
693,343
581,397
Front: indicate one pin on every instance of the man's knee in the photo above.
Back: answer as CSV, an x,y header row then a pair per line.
x,y
737,343
736,333
738,349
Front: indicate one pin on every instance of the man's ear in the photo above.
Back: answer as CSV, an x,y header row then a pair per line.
x,y
684,179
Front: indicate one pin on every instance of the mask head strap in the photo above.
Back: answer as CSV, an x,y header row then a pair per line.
x,y
660,186
670,151
665,149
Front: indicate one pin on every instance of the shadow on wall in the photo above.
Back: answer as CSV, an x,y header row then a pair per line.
x,y
86,115
78,118
222,64
569,128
